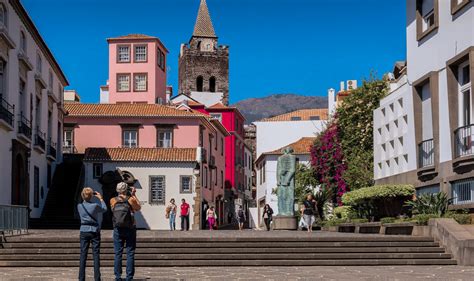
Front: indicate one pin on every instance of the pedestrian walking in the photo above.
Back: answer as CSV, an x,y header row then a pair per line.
x,y
241,218
124,206
184,215
309,211
211,218
170,214
91,220
267,216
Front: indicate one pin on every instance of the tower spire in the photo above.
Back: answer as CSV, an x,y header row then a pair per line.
x,y
203,26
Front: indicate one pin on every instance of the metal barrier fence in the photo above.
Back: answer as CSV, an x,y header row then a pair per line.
x,y
13,219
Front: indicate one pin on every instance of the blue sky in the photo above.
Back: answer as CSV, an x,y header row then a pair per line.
x,y
276,46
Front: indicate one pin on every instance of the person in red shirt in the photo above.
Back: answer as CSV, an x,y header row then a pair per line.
x,y
184,215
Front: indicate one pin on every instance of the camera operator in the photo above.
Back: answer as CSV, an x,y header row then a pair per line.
x,y
125,232
91,220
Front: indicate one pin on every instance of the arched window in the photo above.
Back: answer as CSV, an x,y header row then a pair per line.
x,y
3,15
199,83
23,42
212,84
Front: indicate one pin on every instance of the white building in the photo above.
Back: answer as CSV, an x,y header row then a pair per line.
x,y
266,166
278,131
159,174
31,112
424,128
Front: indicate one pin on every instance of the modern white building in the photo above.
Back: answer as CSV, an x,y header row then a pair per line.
x,y
159,174
31,110
424,128
266,167
280,130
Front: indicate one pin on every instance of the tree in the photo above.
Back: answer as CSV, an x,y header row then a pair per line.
x,y
356,129
305,181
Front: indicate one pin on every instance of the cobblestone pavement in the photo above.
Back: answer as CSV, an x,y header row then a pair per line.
x,y
351,273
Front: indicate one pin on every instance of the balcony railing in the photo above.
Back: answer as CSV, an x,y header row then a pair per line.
x,y
52,149
7,111
69,149
24,126
463,141
39,139
426,153
463,192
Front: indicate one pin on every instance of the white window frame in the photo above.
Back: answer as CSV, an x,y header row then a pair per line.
x,y
189,188
463,89
68,137
97,170
121,86
142,55
167,140
160,197
130,138
123,53
217,116
140,82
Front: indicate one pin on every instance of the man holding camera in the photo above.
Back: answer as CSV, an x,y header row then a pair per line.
x,y
90,213
125,232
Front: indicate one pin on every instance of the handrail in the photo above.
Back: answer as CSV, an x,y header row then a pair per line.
x,y
464,140
426,153
13,218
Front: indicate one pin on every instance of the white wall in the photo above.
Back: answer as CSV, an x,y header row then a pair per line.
x,y
151,216
11,95
274,135
395,131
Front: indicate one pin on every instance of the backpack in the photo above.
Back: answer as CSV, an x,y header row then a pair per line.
x,y
122,213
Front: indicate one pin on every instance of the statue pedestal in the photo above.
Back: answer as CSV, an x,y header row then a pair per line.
x,y
285,223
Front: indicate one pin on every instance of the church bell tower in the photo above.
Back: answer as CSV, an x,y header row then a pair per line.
x,y
203,64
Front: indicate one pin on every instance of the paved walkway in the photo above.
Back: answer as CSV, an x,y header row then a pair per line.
x,y
257,273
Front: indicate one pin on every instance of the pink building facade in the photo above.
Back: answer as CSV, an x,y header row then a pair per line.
x,y
137,69
137,126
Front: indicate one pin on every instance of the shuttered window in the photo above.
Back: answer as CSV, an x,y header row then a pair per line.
x,y
157,190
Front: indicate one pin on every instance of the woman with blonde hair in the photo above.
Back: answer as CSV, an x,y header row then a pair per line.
x,y
90,211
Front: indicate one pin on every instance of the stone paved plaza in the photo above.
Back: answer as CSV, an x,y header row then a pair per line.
x,y
257,273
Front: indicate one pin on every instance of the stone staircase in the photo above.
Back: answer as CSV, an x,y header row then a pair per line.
x,y
59,209
199,248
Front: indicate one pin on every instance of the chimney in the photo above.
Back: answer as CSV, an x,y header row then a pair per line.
x,y
342,86
331,100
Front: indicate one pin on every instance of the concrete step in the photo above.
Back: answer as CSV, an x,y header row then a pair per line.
x,y
109,250
237,256
191,239
220,262
258,245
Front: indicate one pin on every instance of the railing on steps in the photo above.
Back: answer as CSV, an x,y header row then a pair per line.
x,y
13,220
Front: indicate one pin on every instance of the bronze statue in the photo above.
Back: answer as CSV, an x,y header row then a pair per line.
x,y
286,168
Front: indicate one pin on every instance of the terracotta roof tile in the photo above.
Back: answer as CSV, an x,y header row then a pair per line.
x,y
299,115
300,147
127,110
135,36
141,154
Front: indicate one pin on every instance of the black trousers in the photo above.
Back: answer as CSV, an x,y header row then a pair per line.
x,y
88,238
185,222
267,223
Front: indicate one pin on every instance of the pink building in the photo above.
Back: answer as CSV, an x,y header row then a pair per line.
x,y
137,69
134,127
233,121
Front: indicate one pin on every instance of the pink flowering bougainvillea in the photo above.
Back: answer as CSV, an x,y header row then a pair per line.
x,y
328,163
